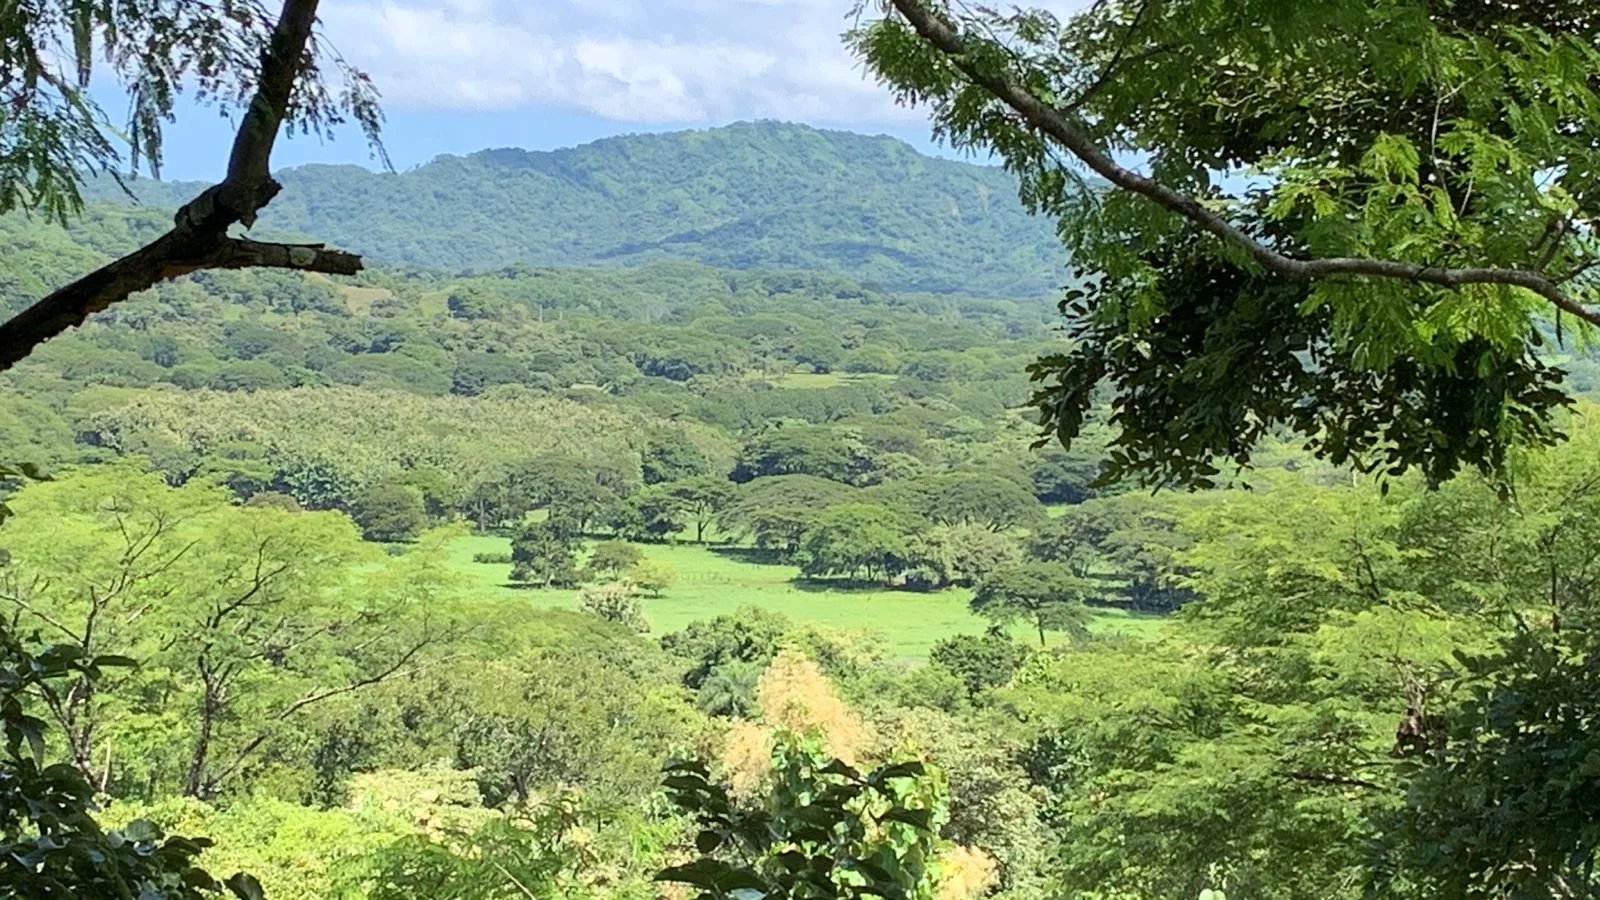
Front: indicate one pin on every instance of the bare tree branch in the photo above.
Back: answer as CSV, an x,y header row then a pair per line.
x,y
1077,139
199,237
315,697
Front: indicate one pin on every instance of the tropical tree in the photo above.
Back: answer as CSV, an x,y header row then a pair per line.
x,y
825,829
1048,596
858,539
701,499
653,576
614,601
669,456
652,514
1131,541
244,618
546,554
568,487
389,511
539,848
53,847
1060,475
976,498
1421,211
749,637
1494,799
776,512
799,449
958,554
609,559
981,661
552,720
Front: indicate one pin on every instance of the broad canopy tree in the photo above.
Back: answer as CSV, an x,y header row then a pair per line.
x,y
776,512
1047,596
701,499
1356,222
546,554
858,540
1130,541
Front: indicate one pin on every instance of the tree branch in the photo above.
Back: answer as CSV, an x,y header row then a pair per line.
x,y
288,711
1077,139
358,684
1110,69
1334,779
199,237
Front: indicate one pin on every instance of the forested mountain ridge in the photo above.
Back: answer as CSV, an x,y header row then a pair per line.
x,y
750,195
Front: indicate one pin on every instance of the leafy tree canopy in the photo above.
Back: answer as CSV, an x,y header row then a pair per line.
x,y
776,512
981,661
545,553
1422,193
858,539
1047,596
389,511
53,847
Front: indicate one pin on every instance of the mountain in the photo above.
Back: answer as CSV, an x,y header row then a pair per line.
x,y
752,195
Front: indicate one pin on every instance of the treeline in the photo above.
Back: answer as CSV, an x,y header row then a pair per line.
x,y
867,436
618,330
875,500
343,720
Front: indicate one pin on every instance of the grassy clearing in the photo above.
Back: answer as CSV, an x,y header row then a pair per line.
x,y
820,379
711,583
360,299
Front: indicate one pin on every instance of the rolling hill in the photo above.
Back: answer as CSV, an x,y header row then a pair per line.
x,y
751,195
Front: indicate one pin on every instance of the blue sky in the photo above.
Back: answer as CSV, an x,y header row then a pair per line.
x,y
462,75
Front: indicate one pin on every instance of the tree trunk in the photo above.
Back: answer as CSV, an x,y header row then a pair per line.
x,y
194,783
80,730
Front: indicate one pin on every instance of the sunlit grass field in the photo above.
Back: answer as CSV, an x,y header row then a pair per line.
x,y
711,582
821,379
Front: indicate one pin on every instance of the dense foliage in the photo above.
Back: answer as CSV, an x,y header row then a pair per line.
x,y
1349,222
52,846
266,489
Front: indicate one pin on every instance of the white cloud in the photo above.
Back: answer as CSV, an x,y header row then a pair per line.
x,y
641,61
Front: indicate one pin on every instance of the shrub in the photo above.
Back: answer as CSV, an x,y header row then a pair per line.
x,y
653,576
390,512
616,601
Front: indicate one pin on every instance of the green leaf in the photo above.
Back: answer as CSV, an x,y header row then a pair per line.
x,y
708,841
114,661
919,818
245,886
711,875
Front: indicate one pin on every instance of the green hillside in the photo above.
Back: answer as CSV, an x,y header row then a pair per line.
x,y
752,195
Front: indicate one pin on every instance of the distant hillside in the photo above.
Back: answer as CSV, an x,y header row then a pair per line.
x,y
751,195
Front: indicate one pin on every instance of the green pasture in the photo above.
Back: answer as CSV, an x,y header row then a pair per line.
x,y
713,582
793,380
